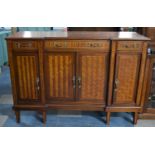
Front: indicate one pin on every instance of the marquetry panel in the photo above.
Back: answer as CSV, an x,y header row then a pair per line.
x,y
59,73
93,74
126,78
27,76
72,44
25,45
129,45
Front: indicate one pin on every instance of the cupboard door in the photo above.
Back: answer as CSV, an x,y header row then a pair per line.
x,y
60,79
27,76
126,77
92,76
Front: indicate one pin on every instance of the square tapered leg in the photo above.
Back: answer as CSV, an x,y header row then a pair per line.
x,y
44,117
135,118
17,116
108,118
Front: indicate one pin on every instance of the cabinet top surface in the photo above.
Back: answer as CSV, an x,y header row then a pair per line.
x,y
78,35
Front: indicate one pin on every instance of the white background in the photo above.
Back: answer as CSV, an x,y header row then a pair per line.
x,y
77,141
62,13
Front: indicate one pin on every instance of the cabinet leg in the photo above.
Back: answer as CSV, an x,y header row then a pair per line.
x,y
44,117
17,116
135,117
108,118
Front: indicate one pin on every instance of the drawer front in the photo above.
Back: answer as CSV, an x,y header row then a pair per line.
x,y
25,45
129,45
74,44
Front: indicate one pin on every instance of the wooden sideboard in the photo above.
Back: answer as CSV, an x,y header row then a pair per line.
x,y
98,71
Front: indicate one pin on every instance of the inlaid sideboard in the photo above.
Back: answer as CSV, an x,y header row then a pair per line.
x,y
97,71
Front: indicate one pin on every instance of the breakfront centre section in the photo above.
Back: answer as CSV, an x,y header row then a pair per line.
x,y
98,71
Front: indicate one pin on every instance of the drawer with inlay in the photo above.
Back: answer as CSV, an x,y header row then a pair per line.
x,y
25,45
74,44
129,45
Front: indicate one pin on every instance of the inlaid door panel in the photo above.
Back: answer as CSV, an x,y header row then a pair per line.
x,y
27,76
60,79
92,76
126,77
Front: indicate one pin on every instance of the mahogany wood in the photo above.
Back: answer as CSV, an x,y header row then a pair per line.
x,y
77,71
76,35
27,74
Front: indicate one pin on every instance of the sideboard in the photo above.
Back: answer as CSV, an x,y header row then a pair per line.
x,y
98,71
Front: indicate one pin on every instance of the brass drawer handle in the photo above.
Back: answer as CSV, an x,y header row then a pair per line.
x,y
116,84
58,45
37,84
93,45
